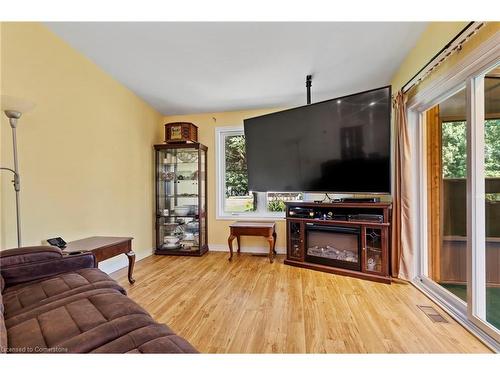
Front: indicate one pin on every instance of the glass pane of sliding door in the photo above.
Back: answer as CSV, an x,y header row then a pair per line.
x,y
446,191
492,195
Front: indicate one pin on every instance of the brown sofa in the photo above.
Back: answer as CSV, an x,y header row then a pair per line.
x,y
56,303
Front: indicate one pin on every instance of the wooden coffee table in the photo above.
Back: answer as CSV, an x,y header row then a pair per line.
x,y
253,228
105,248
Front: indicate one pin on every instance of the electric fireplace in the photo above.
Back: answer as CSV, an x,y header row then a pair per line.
x,y
333,245
346,238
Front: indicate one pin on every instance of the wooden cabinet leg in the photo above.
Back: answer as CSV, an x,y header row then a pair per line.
x,y
131,261
238,242
230,243
270,239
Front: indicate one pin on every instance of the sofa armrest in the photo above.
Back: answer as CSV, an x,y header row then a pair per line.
x,y
23,265
29,254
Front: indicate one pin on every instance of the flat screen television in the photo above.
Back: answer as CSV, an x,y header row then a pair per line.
x,y
339,145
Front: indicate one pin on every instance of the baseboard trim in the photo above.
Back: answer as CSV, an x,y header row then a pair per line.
x,y
246,249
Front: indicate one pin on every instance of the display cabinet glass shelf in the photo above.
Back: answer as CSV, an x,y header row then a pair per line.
x,y
181,199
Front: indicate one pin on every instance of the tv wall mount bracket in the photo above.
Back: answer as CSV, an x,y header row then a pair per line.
x,y
308,87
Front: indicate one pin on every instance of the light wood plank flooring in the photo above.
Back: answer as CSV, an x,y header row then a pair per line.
x,y
251,306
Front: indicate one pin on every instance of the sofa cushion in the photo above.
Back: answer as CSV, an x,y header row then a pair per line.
x,y
153,338
101,320
23,297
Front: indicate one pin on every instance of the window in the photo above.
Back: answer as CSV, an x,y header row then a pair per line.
x,y
234,198
237,198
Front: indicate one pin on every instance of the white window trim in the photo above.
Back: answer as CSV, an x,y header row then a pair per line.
x,y
220,167
463,74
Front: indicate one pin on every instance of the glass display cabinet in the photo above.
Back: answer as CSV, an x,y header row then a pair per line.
x,y
181,199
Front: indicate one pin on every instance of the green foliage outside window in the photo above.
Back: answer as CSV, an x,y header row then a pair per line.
x,y
236,166
276,201
492,148
276,205
238,198
455,149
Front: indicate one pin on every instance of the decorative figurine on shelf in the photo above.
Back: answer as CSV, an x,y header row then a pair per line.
x,y
371,264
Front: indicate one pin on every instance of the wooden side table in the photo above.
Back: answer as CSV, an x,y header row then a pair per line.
x,y
105,248
253,228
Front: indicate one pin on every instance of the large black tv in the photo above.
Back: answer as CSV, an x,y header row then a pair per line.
x,y
338,145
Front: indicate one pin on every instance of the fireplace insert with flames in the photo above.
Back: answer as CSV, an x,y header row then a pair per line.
x,y
331,245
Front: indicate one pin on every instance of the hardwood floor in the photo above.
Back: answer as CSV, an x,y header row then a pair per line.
x,y
251,306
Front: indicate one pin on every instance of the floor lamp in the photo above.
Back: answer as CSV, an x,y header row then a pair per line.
x,y
13,109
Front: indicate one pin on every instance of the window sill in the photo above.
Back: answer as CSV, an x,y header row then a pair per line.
x,y
250,218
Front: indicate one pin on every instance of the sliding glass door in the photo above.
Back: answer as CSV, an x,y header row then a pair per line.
x,y
462,151
484,204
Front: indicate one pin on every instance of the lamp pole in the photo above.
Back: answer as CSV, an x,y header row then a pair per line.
x,y
13,117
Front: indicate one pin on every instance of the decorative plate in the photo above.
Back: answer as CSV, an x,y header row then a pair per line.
x,y
187,157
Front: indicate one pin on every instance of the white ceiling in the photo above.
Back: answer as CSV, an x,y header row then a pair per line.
x,y
182,68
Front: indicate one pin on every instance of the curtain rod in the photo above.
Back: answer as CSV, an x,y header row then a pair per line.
x,y
453,46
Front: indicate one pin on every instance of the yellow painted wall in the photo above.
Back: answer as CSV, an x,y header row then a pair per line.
x,y
432,40
85,151
218,230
